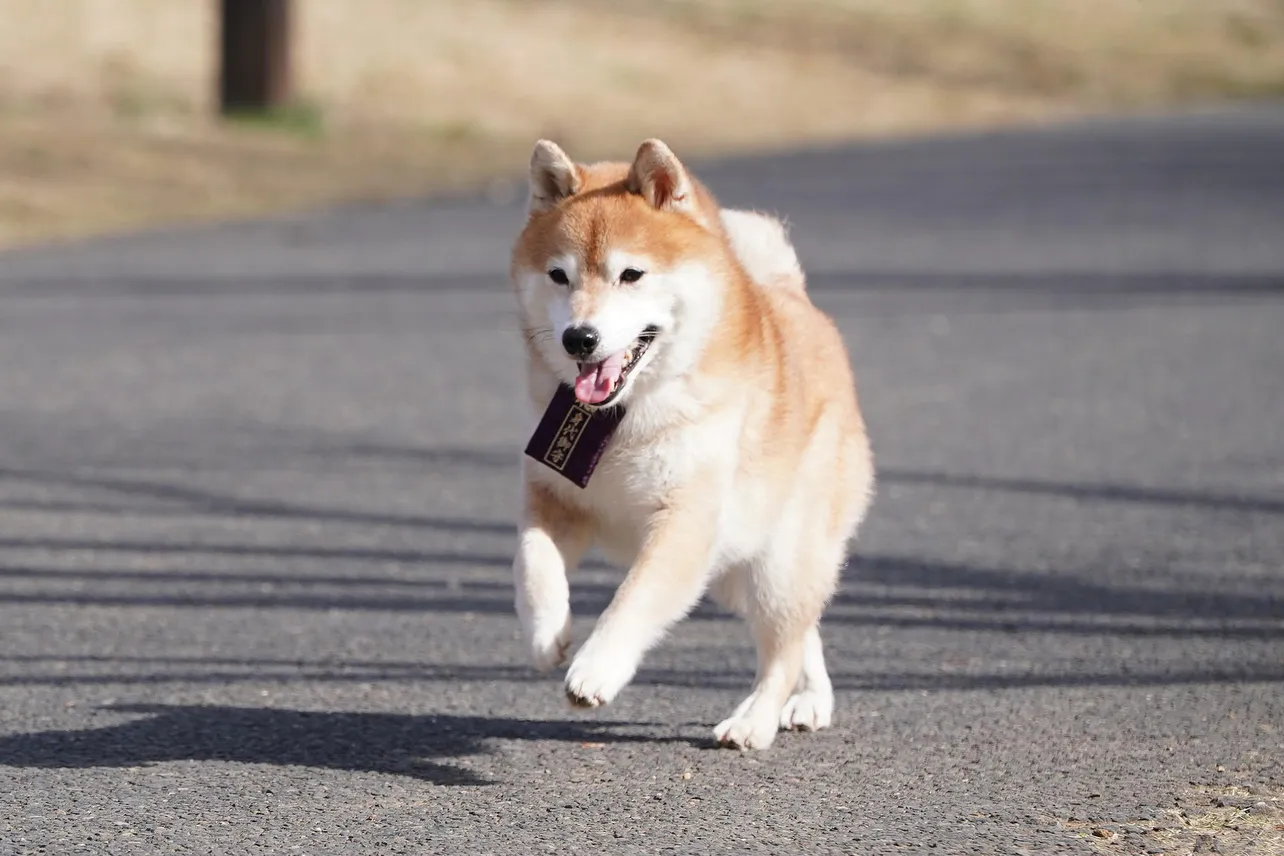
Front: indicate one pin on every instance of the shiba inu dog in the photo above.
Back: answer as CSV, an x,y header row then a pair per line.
x,y
699,423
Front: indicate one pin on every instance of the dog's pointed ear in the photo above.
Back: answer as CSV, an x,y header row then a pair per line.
x,y
662,180
554,176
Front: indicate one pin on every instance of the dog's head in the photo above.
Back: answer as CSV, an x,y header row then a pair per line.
x,y
616,269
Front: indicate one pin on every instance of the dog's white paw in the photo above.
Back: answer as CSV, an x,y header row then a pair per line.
x,y
549,638
809,710
742,731
594,680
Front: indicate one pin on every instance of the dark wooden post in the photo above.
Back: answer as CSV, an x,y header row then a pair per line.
x,y
254,54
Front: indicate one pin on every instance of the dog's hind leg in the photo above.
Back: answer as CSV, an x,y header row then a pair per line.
x,y
780,642
783,597
811,707
552,540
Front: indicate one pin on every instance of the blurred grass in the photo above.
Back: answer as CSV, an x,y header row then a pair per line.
x,y
300,118
1109,52
105,104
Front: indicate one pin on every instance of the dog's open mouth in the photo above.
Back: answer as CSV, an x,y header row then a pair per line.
x,y
600,383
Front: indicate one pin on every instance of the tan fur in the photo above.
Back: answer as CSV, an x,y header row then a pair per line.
x,y
741,468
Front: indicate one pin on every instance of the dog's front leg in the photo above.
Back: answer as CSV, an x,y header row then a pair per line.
x,y
552,540
664,584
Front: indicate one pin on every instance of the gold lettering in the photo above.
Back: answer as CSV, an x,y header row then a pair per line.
x,y
567,437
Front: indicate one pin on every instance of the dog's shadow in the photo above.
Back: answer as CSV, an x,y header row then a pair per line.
x,y
420,747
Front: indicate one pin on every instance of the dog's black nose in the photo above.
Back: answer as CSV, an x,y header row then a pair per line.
x,y
580,341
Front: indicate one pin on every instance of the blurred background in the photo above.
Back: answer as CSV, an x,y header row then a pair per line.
x,y
110,115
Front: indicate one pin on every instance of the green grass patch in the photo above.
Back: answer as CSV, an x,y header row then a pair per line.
x,y
300,119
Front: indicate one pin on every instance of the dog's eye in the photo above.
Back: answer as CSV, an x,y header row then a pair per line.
x,y
631,275
559,276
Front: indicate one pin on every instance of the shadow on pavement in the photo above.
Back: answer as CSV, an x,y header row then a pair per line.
x,y
197,500
330,573
877,590
1088,492
895,591
420,747
124,670
188,498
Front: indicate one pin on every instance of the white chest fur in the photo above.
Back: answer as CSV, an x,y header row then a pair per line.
x,y
651,455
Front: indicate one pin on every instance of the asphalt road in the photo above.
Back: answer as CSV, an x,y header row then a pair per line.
x,y
257,482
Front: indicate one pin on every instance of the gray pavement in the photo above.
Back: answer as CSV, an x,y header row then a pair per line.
x,y
257,482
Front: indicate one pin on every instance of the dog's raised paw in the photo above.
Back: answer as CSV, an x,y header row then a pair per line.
x,y
744,732
586,701
809,710
594,682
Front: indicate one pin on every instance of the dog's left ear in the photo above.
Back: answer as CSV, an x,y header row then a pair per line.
x,y
662,180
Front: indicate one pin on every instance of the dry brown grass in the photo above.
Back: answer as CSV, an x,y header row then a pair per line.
x,y
1229,820
1103,52
104,104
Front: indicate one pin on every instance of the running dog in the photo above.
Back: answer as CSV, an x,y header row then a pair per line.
x,y
695,417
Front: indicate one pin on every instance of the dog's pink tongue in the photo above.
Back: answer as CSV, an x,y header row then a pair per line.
x,y
597,381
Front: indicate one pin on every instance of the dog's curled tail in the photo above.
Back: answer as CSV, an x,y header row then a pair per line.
x,y
763,247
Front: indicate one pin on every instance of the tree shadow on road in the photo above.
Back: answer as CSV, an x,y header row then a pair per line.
x,y
191,499
432,748
413,575
888,591
912,592
122,670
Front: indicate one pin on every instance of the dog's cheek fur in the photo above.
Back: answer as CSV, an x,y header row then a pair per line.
x,y
539,302
696,301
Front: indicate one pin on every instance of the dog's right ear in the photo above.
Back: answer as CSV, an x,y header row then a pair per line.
x,y
554,176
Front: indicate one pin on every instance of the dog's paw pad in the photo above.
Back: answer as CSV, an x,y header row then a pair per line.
x,y
808,710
